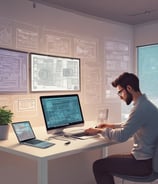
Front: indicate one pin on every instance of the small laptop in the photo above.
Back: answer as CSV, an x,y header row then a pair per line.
x,y
25,135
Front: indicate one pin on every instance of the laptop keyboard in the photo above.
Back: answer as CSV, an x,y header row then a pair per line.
x,y
34,141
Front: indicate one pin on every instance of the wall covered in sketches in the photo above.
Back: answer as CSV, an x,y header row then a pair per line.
x,y
105,50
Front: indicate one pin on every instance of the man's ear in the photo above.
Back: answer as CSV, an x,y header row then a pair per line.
x,y
129,88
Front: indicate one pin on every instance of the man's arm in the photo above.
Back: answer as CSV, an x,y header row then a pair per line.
x,y
100,128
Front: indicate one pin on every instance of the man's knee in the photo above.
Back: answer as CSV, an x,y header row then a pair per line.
x,y
98,165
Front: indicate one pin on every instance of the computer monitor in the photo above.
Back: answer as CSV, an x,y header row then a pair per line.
x,y
61,111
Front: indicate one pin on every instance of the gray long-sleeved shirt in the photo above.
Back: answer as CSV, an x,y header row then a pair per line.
x,y
142,125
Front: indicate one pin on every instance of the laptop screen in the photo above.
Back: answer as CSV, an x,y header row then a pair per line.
x,y
23,131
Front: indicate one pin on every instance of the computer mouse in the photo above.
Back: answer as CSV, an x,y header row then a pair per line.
x,y
67,143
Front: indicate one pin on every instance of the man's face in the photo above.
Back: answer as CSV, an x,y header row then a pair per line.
x,y
124,95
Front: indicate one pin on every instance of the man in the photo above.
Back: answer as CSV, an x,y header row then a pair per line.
x,y
142,125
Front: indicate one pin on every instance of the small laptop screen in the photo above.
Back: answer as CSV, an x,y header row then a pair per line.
x,y
23,131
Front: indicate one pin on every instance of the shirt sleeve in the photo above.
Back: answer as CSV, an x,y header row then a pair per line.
x,y
125,130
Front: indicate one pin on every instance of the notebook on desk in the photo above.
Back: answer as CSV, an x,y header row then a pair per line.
x,y
25,135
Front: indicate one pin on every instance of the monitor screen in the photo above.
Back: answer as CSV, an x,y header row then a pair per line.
x,y
13,71
61,111
54,73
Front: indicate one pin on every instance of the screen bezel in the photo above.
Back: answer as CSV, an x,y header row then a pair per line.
x,y
60,129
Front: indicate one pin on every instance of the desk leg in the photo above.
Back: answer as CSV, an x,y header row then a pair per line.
x,y
104,152
42,171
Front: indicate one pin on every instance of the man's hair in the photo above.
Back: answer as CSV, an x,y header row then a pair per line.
x,y
126,79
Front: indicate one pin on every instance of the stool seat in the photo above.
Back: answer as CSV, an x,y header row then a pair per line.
x,y
144,179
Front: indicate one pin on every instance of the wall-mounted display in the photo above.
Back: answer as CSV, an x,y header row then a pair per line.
x,y
13,71
53,73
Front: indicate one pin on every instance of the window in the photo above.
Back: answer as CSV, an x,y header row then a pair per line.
x,y
147,65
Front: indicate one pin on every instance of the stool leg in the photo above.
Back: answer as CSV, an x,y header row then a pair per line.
x,y
122,181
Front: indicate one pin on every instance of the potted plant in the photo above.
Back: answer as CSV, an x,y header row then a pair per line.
x,y
5,119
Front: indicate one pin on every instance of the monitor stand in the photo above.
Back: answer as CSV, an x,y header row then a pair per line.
x,y
62,134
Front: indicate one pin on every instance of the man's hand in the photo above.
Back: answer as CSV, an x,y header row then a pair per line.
x,y
99,128
105,125
93,131
102,125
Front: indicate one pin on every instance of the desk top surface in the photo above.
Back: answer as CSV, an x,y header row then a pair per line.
x,y
60,149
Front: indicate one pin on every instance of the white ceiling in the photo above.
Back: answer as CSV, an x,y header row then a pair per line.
x,y
131,12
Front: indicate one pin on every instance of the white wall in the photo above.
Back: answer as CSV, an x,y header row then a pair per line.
x,y
20,22
146,33
106,51
19,15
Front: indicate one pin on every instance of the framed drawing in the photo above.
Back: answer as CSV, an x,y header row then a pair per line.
x,y
54,73
13,71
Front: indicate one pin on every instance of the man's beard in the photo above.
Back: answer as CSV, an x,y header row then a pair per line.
x,y
129,98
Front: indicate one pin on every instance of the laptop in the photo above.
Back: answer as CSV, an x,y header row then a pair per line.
x,y
25,135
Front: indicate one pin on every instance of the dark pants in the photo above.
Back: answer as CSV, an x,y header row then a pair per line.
x,y
120,164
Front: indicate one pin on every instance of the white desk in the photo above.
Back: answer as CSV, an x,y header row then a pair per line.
x,y
42,156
